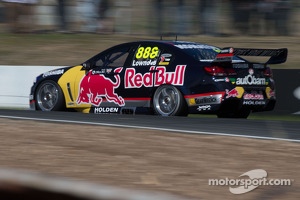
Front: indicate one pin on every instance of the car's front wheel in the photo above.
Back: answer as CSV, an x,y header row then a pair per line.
x,y
49,97
168,101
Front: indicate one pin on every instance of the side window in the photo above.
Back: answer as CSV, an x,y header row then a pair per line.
x,y
118,59
114,58
100,62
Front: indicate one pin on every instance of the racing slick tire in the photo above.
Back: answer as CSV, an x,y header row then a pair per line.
x,y
241,113
168,101
49,97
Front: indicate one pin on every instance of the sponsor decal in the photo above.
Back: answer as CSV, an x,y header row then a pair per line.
x,y
106,110
221,79
165,59
227,50
102,71
253,102
232,93
53,72
235,92
225,55
204,108
212,99
94,87
204,99
137,80
144,62
250,79
253,96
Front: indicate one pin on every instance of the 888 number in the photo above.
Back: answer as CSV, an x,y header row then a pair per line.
x,y
148,52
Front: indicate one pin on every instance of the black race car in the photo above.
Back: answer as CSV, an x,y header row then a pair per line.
x,y
162,77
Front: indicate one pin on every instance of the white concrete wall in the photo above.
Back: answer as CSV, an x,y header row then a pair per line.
x,y
15,84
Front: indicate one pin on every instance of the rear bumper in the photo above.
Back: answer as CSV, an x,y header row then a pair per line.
x,y
232,105
232,100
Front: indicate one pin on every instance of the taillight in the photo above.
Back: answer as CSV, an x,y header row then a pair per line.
x,y
268,72
219,71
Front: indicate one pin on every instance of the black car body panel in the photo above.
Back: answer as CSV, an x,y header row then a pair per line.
x,y
126,78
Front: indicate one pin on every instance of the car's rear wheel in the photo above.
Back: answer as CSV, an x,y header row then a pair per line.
x,y
168,101
49,97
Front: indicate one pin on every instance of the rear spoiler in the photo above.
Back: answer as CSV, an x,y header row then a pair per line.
x,y
277,56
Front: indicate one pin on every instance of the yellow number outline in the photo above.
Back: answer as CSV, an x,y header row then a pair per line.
x,y
147,52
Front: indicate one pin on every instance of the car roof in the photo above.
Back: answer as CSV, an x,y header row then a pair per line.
x,y
177,43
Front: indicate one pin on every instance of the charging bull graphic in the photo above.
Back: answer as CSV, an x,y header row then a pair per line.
x,y
232,93
93,87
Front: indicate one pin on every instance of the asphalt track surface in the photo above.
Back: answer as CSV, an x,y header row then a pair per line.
x,y
260,129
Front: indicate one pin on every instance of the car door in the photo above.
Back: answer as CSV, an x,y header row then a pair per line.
x,y
139,76
102,82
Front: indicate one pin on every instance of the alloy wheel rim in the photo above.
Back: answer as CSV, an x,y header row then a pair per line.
x,y
47,97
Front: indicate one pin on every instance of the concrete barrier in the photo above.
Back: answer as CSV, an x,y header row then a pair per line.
x,y
15,83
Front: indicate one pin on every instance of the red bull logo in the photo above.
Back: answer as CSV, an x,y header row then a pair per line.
x,y
232,93
137,80
94,87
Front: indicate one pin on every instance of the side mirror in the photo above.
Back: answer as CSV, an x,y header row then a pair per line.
x,y
86,66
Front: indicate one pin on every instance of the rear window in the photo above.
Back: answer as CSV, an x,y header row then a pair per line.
x,y
199,51
204,52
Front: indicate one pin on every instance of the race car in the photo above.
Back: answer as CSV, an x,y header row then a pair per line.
x,y
168,78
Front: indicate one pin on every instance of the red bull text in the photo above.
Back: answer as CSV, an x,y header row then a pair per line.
x,y
137,80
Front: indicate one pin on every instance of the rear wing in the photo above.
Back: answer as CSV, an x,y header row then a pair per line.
x,y
277,56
